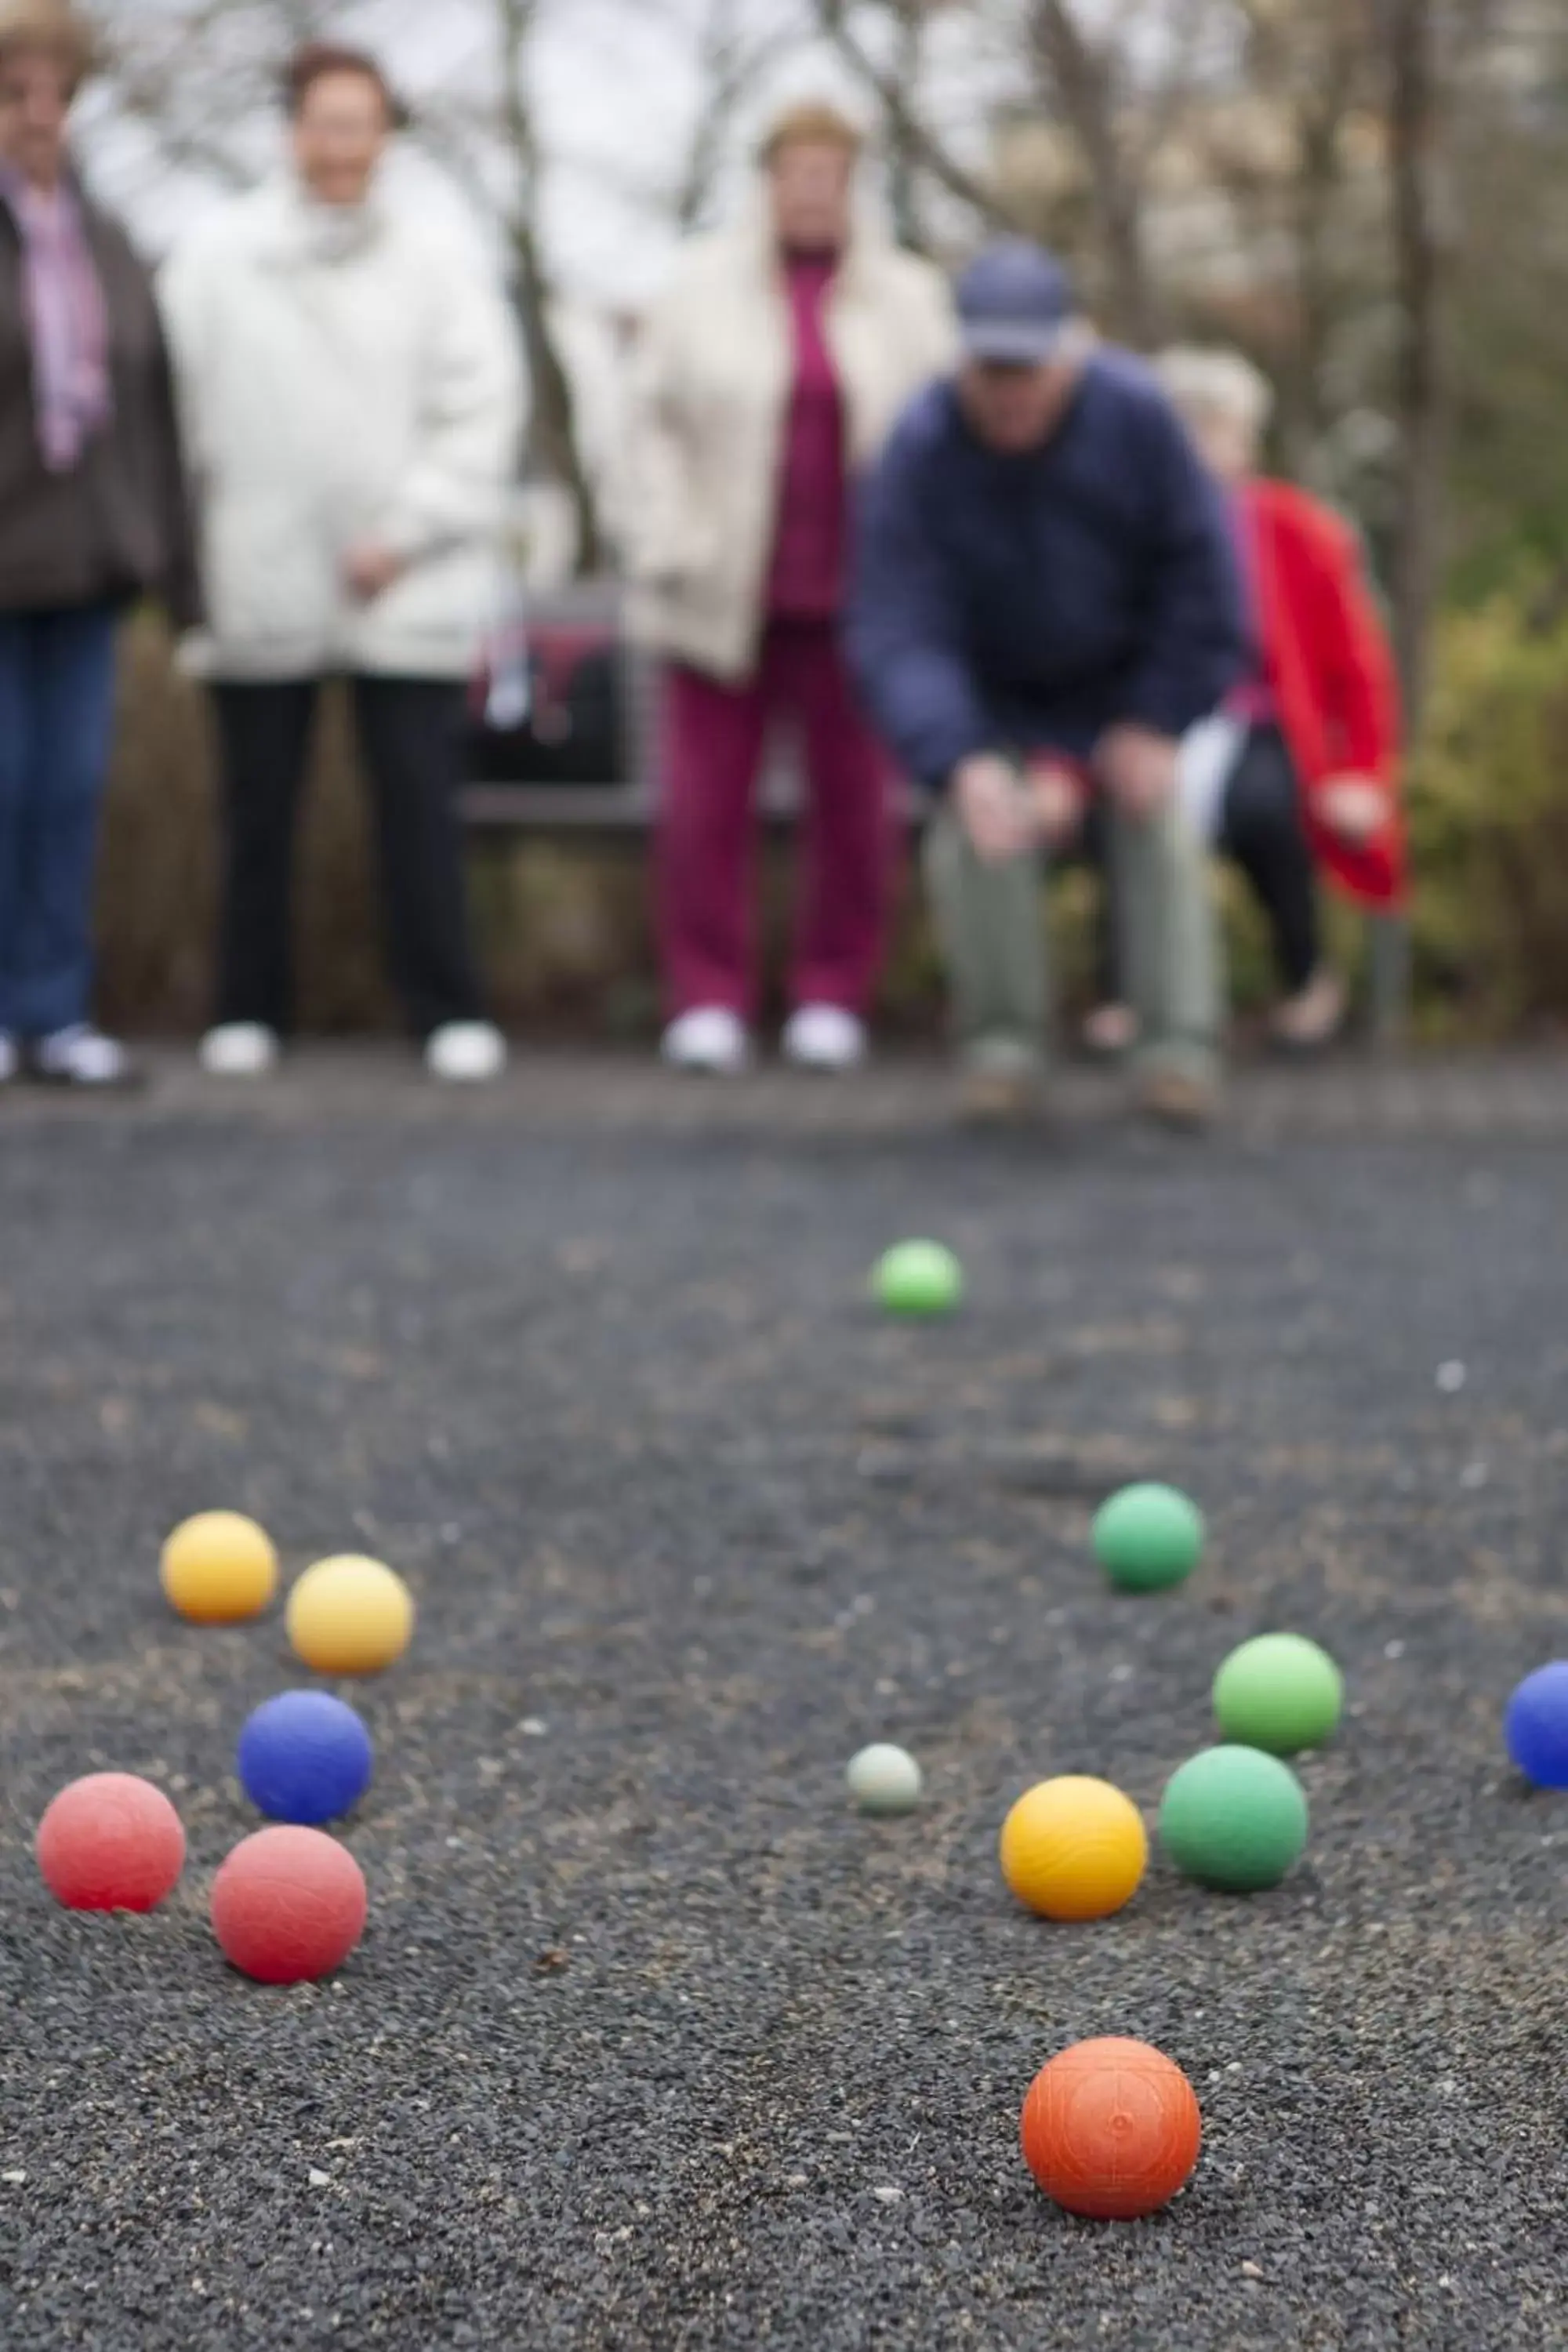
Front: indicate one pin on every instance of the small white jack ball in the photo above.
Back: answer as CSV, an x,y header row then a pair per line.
x,y
885,1780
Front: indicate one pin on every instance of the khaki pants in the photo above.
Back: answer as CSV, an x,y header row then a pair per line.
x,y
991,927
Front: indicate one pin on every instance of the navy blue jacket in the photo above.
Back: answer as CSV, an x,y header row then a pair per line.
x,y
1011,604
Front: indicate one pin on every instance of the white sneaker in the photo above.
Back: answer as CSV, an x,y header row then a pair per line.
x,y
710,1042
466,1054
82,1056
824,1037
240,1049
10,1060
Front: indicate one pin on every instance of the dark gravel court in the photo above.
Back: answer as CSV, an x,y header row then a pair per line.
x,y
651,2042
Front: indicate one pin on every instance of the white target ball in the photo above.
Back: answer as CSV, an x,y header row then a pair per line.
x,y
885,1780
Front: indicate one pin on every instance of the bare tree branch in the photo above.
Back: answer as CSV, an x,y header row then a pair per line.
x,y
910,18
1085,75
731,61
908,124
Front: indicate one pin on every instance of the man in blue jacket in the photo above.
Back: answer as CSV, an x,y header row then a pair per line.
x,y
1046,599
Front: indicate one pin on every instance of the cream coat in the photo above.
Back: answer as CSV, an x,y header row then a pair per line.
x,y
342,380
715,376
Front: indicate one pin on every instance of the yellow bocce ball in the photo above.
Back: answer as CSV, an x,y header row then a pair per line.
x,y
219,1569
350,1616
1074,1849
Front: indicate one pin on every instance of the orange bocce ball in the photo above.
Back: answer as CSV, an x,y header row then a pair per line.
x,y
1111,2129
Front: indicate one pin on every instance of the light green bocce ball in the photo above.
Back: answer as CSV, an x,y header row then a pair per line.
x,y
919,1278
1280,1692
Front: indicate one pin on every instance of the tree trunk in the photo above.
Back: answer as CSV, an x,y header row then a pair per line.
x,y
1085,81
1316,198
553,432
552,427
1414,115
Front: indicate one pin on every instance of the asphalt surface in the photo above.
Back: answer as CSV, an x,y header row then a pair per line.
x,y
651,2042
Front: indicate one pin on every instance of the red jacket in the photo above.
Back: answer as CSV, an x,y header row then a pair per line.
x,y
1332,675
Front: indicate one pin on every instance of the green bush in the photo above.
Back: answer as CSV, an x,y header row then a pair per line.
x,y
1488,815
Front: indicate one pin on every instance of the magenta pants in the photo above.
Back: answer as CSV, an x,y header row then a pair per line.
x,y
712,741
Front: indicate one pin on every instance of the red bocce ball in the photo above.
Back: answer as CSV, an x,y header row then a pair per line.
x,y
110,1842
287,1905
1111,2129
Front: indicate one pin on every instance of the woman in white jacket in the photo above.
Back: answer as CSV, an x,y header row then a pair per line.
x,y
351,384
772,373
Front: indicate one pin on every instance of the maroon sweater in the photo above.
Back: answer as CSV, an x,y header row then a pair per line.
x,y
806,579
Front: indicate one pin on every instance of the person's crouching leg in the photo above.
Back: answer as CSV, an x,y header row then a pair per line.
x,y
1171,953
991,930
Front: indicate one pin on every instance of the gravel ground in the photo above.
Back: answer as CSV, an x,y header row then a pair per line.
x,y
651,2042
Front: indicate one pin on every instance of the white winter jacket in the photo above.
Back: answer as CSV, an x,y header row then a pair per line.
x,y
715,376
343,378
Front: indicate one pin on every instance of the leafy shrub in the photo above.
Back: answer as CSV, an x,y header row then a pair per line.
x,y
1489,811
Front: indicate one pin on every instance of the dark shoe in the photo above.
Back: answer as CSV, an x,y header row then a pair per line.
x,y
1003,1083
82,1056
1179,1099
1308,1025
1110,1032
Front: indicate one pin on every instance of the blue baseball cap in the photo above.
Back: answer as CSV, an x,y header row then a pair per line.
x,y
1014,300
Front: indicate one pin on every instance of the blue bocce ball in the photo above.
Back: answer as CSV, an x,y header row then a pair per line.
x,y
1537,1726
306,1757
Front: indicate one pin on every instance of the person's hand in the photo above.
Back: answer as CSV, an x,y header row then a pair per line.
x,y
370,570
1138,768
994,809
1056,802
1353,808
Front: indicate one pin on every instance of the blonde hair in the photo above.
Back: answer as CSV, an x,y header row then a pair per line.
x,y
53,29
811,122
1204,382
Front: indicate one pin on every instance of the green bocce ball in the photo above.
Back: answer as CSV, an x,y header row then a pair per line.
x,y
919,1278
1147,1538
1280,1692
1233,1818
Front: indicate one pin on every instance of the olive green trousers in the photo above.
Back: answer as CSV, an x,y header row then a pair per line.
x,y
991,928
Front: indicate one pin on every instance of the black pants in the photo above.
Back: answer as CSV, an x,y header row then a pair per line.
x,y
409,732
1262,830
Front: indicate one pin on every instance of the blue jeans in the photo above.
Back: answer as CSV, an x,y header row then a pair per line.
x,y
56,718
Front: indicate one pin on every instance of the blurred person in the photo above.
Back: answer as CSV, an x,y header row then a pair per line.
x,y
350,382
1298,774
1046,599
770,373
93,516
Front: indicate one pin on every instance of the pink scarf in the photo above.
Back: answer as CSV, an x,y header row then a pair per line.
x,y
68,318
